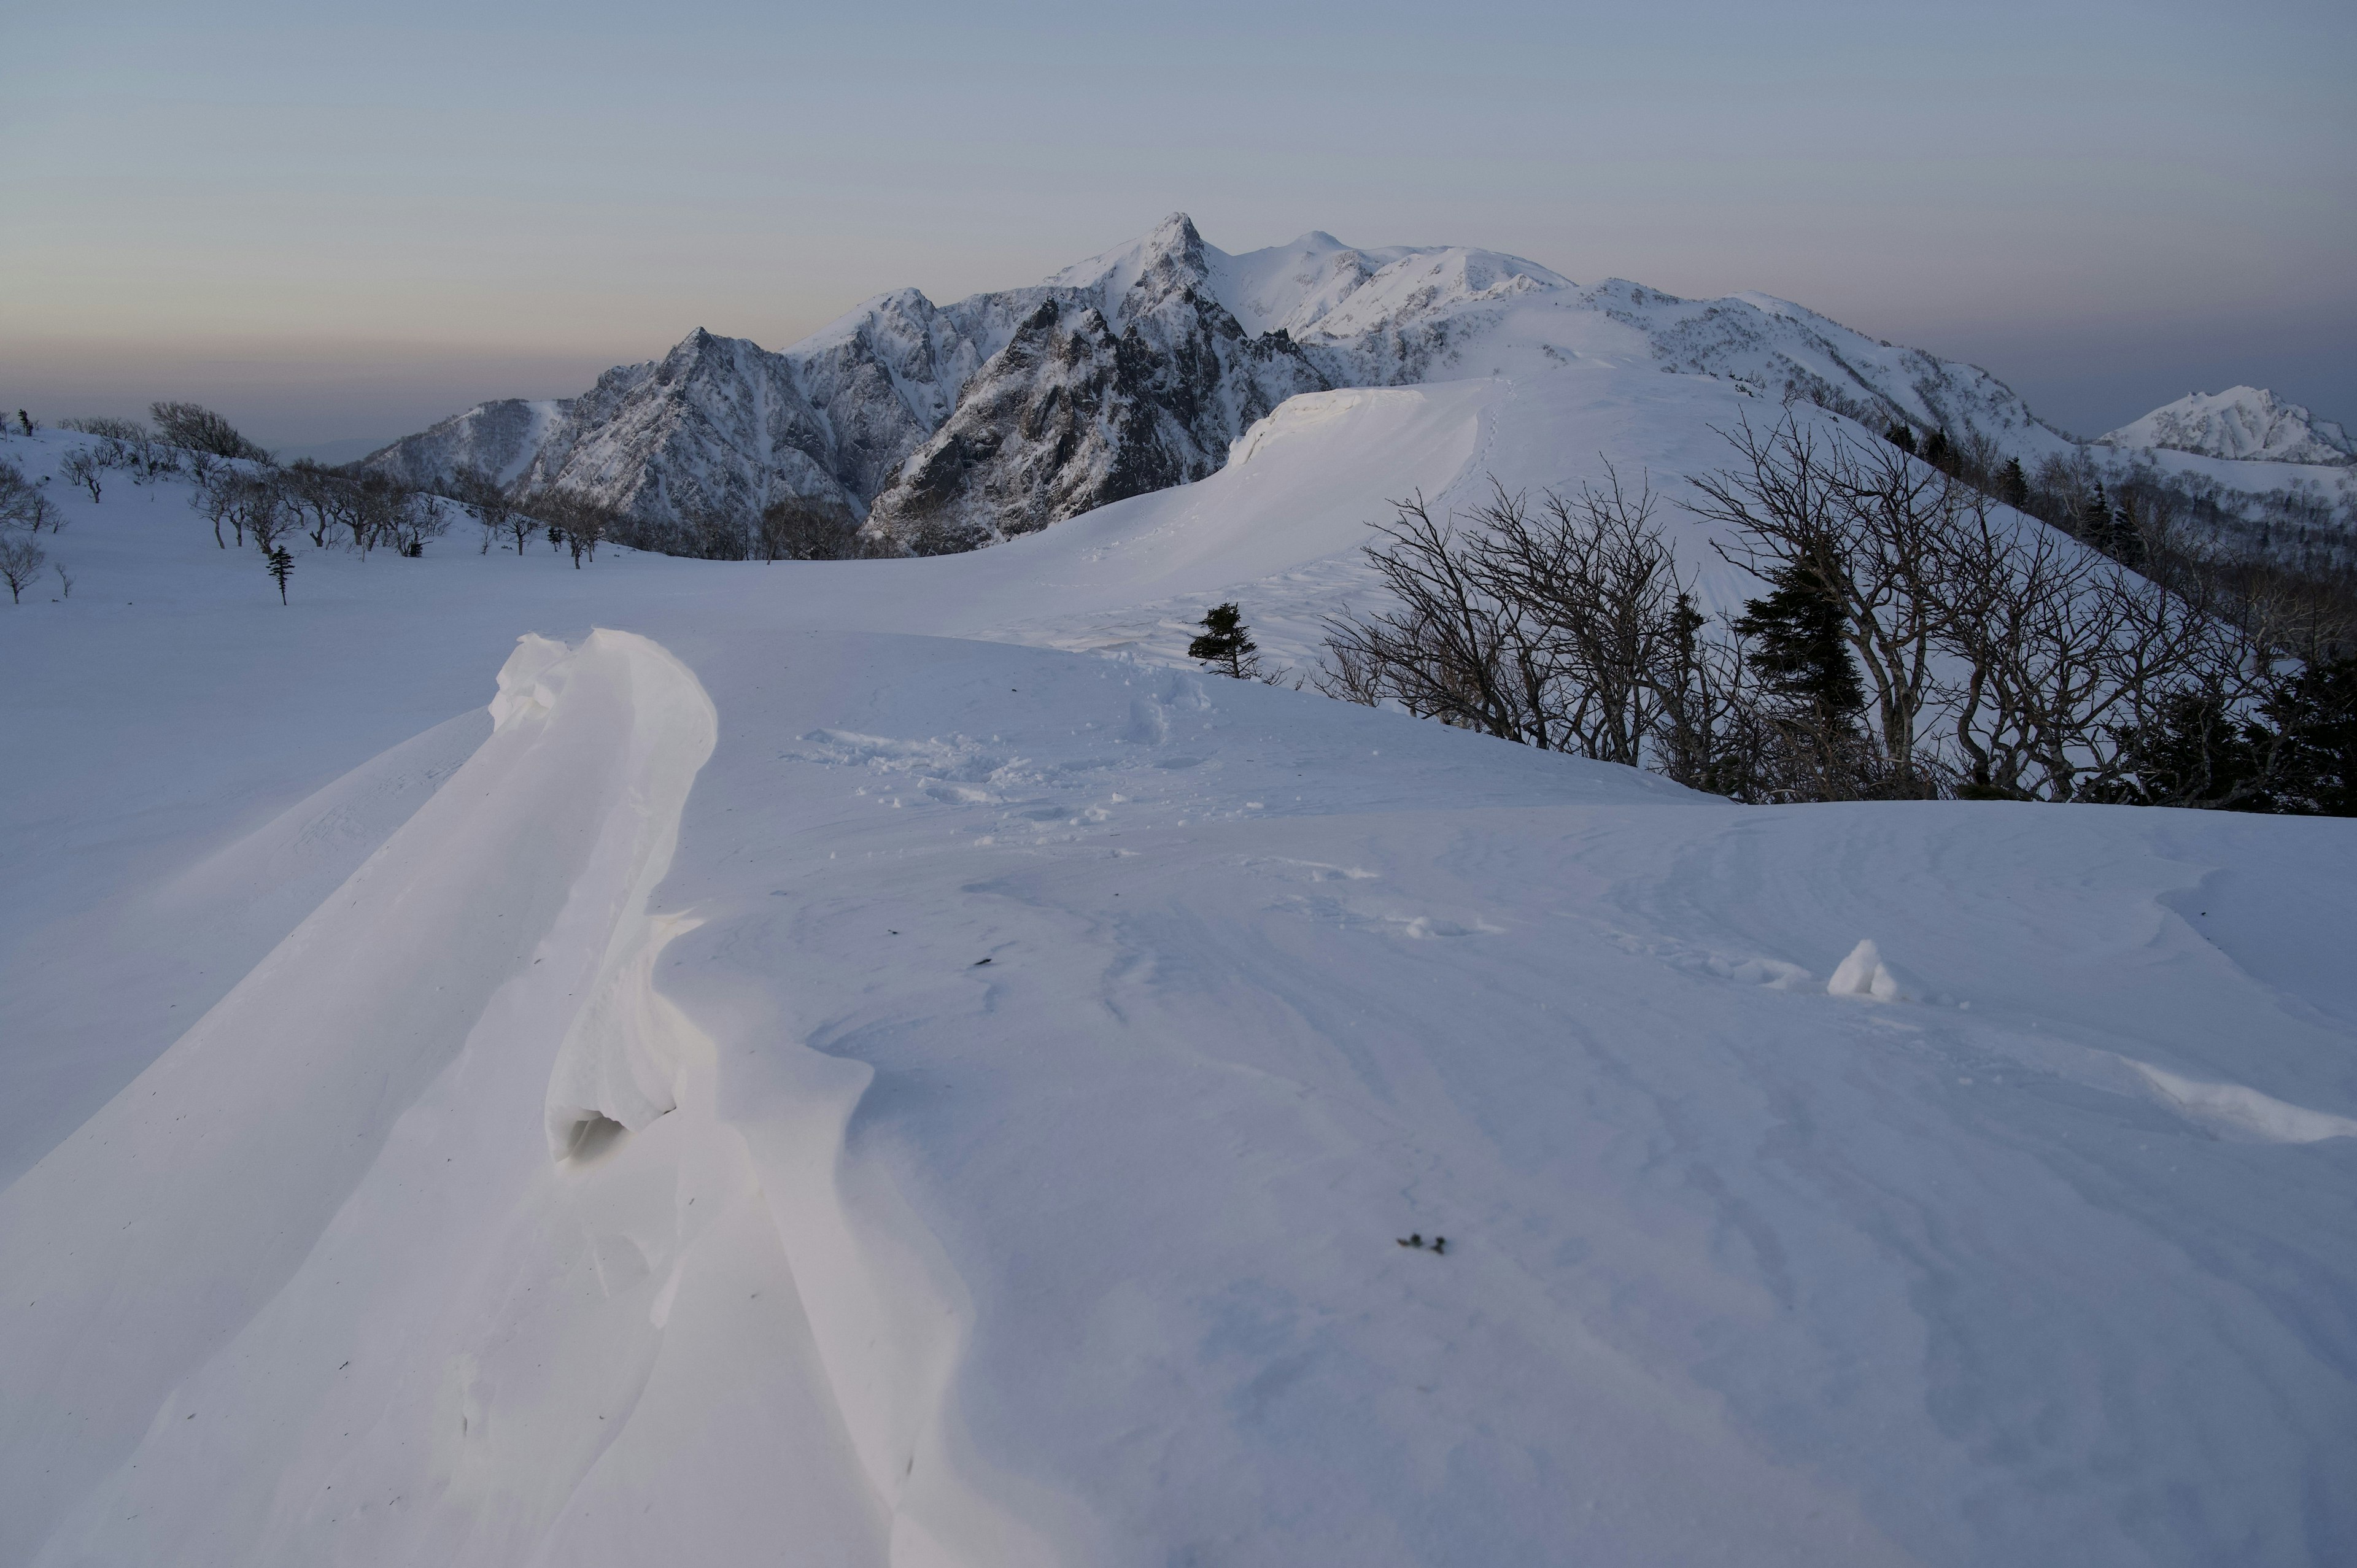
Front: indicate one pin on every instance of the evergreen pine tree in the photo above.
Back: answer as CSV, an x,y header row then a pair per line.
x,y
1801,654
2095,522
1900,436
281,566
2317,713
1226,646
2013,485
2127,538
1937,452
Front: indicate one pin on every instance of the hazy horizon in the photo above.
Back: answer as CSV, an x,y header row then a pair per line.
x,y
340,229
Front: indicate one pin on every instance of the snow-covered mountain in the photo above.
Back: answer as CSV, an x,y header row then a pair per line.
x,y
950,426
2241,423
721,425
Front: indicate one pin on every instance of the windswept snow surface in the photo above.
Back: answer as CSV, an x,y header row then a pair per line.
x,y
704,1063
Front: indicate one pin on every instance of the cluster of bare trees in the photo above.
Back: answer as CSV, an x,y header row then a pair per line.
x,y
24,512
264,504
1913,638
2289,552
791,528
1565,625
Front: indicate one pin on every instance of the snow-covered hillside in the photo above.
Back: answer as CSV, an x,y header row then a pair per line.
x,y
2241,423
867,1062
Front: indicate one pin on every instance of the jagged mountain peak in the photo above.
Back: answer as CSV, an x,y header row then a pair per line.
x,y
1172,248
2250,423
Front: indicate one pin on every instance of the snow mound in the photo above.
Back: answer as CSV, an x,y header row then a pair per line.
x,y
2240,1111
1865,974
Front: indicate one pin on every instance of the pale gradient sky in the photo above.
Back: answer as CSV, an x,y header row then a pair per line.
x,y
335,222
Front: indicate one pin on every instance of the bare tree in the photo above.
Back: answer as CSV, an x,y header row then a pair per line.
x,y
583,522
199,429
1563,624
267,511
482,495
22,504
315,494
1602,589
106,425
20,562
413,517
204,468
1865,523
1446,650
214,501
82,468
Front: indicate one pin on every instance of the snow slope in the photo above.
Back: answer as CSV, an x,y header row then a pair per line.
x,y
807,1077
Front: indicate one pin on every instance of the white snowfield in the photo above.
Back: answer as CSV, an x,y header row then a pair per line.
x,y
873,1063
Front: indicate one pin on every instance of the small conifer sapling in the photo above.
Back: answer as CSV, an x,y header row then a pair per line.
x,y
282,566
1226,646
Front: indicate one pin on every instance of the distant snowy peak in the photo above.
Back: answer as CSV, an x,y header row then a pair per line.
x,y
2248,424
1317,284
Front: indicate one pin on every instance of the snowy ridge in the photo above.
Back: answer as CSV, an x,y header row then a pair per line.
x,y
2241,423
1135,371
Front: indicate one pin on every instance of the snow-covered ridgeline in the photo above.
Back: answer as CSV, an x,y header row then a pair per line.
x,y
1137,369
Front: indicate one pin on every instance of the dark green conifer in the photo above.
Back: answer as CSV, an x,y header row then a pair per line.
x,y
2013,485
2095,520
1800,651
1226,646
